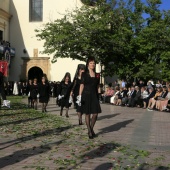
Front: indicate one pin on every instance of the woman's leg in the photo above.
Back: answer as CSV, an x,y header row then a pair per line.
x,y
93,121
61,111
150,102
42,107
87,118
35,104
45,107
33,101
80,118
67,112
158,104
153,103
144,104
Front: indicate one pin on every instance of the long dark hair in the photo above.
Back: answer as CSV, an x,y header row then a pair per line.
x,y
67,75
87,63
79,67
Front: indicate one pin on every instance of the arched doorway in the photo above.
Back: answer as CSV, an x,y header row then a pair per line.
x,y
35,72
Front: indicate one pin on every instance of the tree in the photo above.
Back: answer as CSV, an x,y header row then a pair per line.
x,y
116,34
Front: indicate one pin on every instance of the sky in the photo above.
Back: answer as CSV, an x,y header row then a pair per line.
x,y
165,4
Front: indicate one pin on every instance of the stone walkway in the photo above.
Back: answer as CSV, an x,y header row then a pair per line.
x,y
134,127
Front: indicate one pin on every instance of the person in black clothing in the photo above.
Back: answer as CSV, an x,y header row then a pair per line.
x,y
34,93
150,95
19,88
88,95
9,88
28,89
64,90
24,88
2,90
76,87
137,99
44,92
131,97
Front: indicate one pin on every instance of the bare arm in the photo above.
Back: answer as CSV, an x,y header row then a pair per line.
x,y
99,90
81,89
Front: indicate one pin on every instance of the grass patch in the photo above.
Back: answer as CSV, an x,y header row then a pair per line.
x,y
22,121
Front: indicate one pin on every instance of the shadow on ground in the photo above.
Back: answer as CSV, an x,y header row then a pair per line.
x,y
115,127
20,155
108,116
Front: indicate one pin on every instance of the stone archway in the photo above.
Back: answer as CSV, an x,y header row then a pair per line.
x,y
37,62
35,72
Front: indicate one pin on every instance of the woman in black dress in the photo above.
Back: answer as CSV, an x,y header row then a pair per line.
x,y
75,89
64,93
34,93
28,89
89,95
44,93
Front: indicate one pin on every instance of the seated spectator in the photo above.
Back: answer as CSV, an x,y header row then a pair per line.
x,y
114,98
160,103
108,94
147,96
126,94
137,99
141,84
120,96
150,84
131,97
158,84
153,100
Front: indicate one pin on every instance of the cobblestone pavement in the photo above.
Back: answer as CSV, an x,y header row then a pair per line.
x,y
134,127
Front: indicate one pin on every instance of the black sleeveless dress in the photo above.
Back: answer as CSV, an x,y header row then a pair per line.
x,y
64,90
90,99
44,92
76,87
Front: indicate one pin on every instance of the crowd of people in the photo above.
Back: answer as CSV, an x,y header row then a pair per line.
x,y
148,96
86,93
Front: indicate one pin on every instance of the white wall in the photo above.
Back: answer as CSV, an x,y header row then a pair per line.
x,y
22,35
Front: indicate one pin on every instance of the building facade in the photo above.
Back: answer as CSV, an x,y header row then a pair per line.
x,y
5,17
29,62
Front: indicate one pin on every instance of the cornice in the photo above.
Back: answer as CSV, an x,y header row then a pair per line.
x,y
35,58
5,15
2,25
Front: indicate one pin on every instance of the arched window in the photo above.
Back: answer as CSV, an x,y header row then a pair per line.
x,y
36,10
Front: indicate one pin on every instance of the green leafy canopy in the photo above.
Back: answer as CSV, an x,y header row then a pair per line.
x,y
117,34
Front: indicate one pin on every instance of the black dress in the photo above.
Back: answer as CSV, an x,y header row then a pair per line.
x,y
34,91
44,92
64,90
76,87
90,99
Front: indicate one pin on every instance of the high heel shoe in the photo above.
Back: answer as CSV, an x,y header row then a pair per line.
x,y
93,134
90,135
67,115
80,122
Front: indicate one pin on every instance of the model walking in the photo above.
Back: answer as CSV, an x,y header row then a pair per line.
x,y
75,89
28,89
44,93
64,93
34,93
88,95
